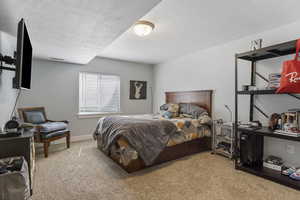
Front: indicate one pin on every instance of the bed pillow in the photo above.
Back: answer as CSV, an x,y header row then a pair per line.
x,y
164,107
191,109
174,108
205,119
167,115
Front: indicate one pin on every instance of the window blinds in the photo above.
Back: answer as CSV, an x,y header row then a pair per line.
x,y
99,93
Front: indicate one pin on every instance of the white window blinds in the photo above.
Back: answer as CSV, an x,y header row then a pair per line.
x,y
99,93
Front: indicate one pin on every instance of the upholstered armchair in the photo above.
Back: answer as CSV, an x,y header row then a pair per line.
x,y
46,130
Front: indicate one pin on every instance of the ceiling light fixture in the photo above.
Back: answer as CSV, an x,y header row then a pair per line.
x,y
143,28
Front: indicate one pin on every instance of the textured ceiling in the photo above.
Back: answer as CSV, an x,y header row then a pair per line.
x,y
183,27
74,30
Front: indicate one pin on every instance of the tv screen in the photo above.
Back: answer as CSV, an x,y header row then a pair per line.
x,y
23,58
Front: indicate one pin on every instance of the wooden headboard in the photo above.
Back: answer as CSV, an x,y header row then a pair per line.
x,y
201,98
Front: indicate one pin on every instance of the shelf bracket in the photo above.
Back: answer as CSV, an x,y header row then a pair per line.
x,y
262,112
262,77
295,96
274,52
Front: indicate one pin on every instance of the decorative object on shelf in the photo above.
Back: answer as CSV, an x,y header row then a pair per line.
x,y
138,90
295,175
256,44
292,172
274,81
290,75
288,123
143,28
249,88
252,88
287,171
275,121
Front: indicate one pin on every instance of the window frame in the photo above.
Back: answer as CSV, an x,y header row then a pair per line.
x,y
97,114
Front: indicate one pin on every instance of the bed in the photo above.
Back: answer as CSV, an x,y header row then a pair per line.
x,y
193,143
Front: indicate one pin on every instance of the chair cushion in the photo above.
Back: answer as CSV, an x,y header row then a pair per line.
x,y
35,117
54,134
52,127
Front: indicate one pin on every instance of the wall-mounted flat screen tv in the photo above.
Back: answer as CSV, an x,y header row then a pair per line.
x,y
23,58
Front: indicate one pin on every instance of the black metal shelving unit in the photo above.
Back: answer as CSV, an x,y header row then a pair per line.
x,y
255,56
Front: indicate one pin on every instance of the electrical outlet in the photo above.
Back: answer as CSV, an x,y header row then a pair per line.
x,y
290,149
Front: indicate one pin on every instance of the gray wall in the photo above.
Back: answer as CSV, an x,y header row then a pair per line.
x,y
7,94
55,86
214,69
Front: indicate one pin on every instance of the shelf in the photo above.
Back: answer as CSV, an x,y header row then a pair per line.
x,y
224,139
266,92
265,131
269,52
261,92
223,153
272,175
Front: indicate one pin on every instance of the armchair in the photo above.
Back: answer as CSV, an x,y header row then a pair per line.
x,y
46,130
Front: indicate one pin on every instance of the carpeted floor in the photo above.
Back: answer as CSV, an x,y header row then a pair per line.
x,y
84,173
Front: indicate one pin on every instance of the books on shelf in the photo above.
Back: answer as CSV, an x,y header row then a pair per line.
x,y
272,166
274,80
273,162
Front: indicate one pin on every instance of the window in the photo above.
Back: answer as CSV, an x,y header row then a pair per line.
x,y
98,93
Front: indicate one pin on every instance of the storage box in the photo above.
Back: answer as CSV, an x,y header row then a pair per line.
x,y
14,183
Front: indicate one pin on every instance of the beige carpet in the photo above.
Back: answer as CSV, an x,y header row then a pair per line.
x,y
84,173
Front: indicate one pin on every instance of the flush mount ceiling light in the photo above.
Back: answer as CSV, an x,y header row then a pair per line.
x,y
143,28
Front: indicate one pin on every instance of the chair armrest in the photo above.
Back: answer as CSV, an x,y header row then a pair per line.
x,y
37,131
38,128
65,121
30,125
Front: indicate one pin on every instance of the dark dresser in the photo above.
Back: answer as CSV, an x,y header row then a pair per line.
x,y
22,145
